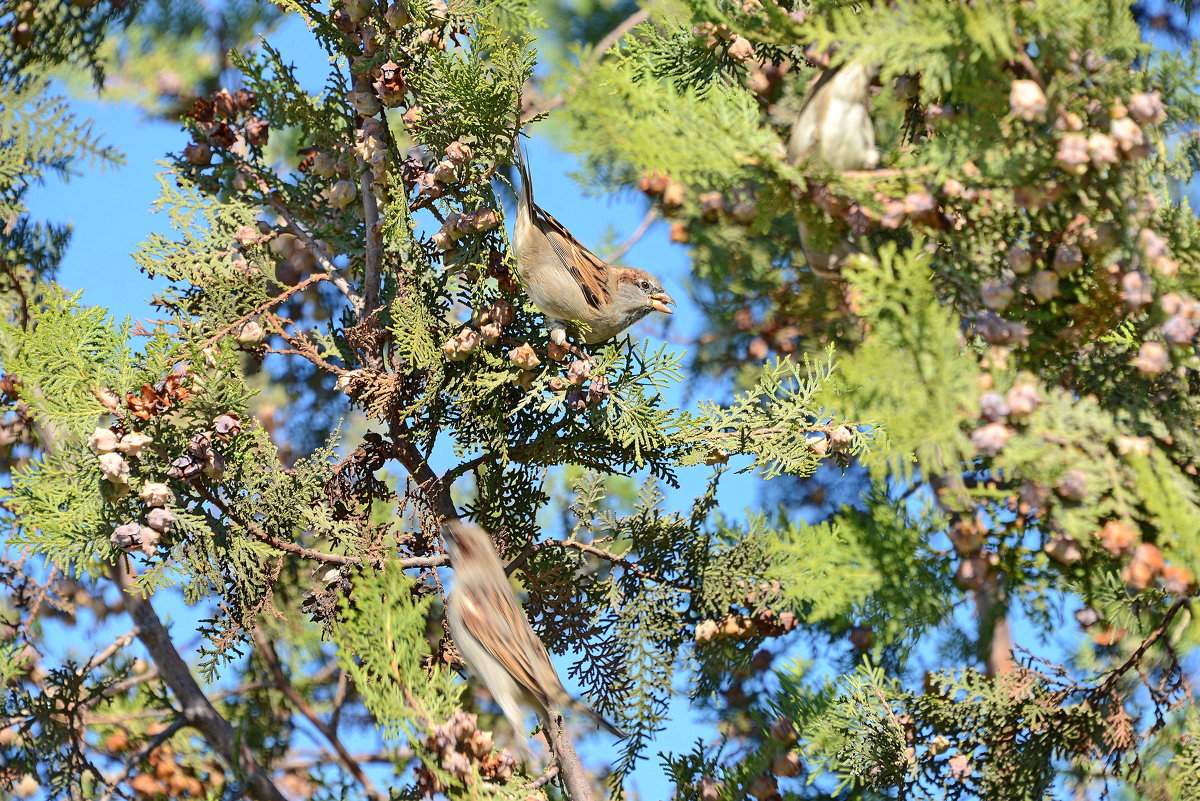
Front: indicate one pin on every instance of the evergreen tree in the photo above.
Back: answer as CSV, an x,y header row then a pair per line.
x,y
997,372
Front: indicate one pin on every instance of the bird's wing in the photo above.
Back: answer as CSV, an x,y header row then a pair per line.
x,y
588,269
495,619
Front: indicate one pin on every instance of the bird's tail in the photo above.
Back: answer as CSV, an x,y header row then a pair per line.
x,y
525,196
579,706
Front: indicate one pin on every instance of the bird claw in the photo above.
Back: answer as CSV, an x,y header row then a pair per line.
x,y
558,336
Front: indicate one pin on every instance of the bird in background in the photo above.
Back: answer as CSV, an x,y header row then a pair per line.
x,y
834,129
572,286
495,638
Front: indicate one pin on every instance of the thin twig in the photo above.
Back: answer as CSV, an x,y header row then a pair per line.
x,y
597,54
266,304
339,699
542,780
140,757
608,556
897,172
267,650
308,553
298,763
886,705
1115,675
241,689
43,593
1023,57
296,229
102,657
300,346
643,227
130,683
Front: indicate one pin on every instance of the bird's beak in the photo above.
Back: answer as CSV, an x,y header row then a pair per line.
x,y
659,301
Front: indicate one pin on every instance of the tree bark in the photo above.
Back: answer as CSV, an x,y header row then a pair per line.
x,y
196,710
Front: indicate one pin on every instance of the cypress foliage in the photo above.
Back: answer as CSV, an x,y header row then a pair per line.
x,y
1002,372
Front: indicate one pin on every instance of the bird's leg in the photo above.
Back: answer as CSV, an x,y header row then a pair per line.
x,y
558,335
558,332
578,352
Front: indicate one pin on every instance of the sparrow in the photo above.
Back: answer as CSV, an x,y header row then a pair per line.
x,y
834,128
572,286
494,635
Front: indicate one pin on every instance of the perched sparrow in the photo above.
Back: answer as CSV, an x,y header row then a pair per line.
x,y
570,284
494,636
834,128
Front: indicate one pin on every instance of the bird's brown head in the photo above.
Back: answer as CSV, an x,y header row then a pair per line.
x,y
639,293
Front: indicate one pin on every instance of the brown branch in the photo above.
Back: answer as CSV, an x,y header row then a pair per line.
x,y
614,36
8,269
281,681
886,705
542,780
897,172
1115,675
454,472
570,769
128,684
1023,56
266,304
432,486
643,227
196,710
597,54
994,628
608,556
42,595
300,346
373,267
766,432
99,720
339,699
102,657
275,542
308,553
299,231
299,763
140,757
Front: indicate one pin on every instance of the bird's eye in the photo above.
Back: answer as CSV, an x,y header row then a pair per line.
x,y
644,284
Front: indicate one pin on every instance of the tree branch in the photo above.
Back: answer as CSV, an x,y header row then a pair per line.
x,y
1115,675
543,780
643,227
281,681
432,486
299,231
266,304
570,769
102,657
308,553
138,758
196,710
602,47
373,268
608,556
994,631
